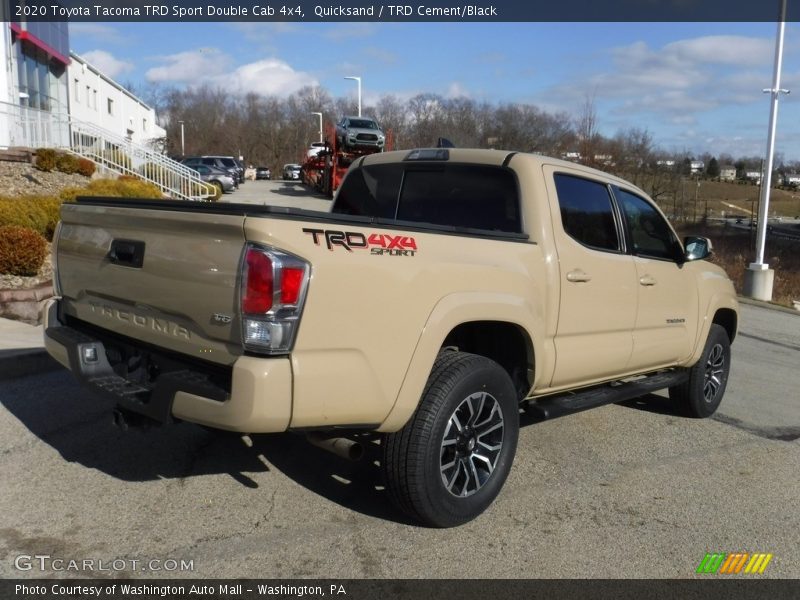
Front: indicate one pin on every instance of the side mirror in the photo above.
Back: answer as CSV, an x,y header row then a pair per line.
x,y
697,248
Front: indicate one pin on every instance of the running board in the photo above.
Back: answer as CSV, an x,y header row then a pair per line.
x,y
552,407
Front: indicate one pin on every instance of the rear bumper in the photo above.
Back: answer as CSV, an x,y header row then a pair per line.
x,y
257,399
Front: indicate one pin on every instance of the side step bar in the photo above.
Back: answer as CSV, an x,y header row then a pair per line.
x,y
552,407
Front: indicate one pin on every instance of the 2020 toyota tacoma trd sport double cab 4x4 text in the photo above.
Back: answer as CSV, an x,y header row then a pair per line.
x,y
446,290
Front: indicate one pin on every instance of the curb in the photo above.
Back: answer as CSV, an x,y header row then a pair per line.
x,y
768,305
22,363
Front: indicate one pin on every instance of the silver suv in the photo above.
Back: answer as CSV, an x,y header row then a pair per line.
x,y
353,132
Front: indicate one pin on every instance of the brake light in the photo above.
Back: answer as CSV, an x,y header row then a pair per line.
x,y
273,293
291,284
257,297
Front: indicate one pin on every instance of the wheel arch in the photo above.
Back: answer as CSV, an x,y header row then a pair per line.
x,y
462,320
508,344
729,320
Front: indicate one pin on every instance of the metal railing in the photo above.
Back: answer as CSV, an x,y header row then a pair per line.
x,y
34,128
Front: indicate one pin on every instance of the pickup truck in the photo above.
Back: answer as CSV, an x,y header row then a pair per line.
x,y
445,291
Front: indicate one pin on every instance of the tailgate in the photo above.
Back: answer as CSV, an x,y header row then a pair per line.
x,y
167,278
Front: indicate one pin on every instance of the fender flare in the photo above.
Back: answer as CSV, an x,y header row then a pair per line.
x,y
450,312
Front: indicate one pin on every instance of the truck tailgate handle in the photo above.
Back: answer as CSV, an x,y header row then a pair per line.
x,y
127,253
578,276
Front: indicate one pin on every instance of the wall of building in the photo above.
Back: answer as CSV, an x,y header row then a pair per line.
x,y
32,82
97,99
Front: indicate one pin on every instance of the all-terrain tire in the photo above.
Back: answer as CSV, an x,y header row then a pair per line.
x,y
700,395
449,462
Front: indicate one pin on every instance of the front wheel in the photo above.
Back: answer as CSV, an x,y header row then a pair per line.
x,y
449,462
700,395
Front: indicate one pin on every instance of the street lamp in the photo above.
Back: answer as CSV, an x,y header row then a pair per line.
x,y
183,149
319,114
358,79
759,278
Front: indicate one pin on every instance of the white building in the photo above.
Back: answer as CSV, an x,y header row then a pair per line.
x,y
43,86
97,99
33,82
697,166
727,173
791,179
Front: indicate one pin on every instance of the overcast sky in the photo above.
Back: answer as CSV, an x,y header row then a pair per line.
x,y
694,86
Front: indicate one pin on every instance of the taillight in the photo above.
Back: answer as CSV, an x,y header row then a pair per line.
x,y
291,284
257,296
273,291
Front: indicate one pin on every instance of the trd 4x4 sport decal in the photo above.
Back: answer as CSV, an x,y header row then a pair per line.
x,y
379,244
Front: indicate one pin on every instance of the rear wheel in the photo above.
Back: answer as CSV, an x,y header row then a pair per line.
x,y
700,396
449,462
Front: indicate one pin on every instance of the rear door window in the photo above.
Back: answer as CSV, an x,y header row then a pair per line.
x,y
587,212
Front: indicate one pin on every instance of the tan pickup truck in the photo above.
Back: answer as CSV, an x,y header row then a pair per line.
x,y
446,290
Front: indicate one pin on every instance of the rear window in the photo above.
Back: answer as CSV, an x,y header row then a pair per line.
x,y
451,195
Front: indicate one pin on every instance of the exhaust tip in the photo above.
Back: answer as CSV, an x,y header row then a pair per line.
x,y
342,447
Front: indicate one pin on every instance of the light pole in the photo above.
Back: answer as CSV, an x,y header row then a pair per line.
x,y
319,114
183,149
358,79
759,278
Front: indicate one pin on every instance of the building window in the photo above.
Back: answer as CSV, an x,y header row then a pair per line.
x,y
110,106
144,124
43,80
77,93
94,99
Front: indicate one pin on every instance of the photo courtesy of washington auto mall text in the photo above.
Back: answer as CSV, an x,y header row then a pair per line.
x,y
198,589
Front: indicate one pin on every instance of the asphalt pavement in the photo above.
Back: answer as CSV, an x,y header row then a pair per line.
x,y
277,192
622,491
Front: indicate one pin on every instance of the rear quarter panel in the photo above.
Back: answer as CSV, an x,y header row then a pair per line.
x,y
367,310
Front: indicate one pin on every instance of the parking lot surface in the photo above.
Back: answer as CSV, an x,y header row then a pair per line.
x,y
277,192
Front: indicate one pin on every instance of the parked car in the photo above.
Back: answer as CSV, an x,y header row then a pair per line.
x,y
220,178
221,162
352,132
315,148
291,171
263,173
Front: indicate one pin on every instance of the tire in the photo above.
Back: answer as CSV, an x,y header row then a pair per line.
x,y
449,462
701,394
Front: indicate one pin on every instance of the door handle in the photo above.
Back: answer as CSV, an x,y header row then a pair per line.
x,y
647,280
577,276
